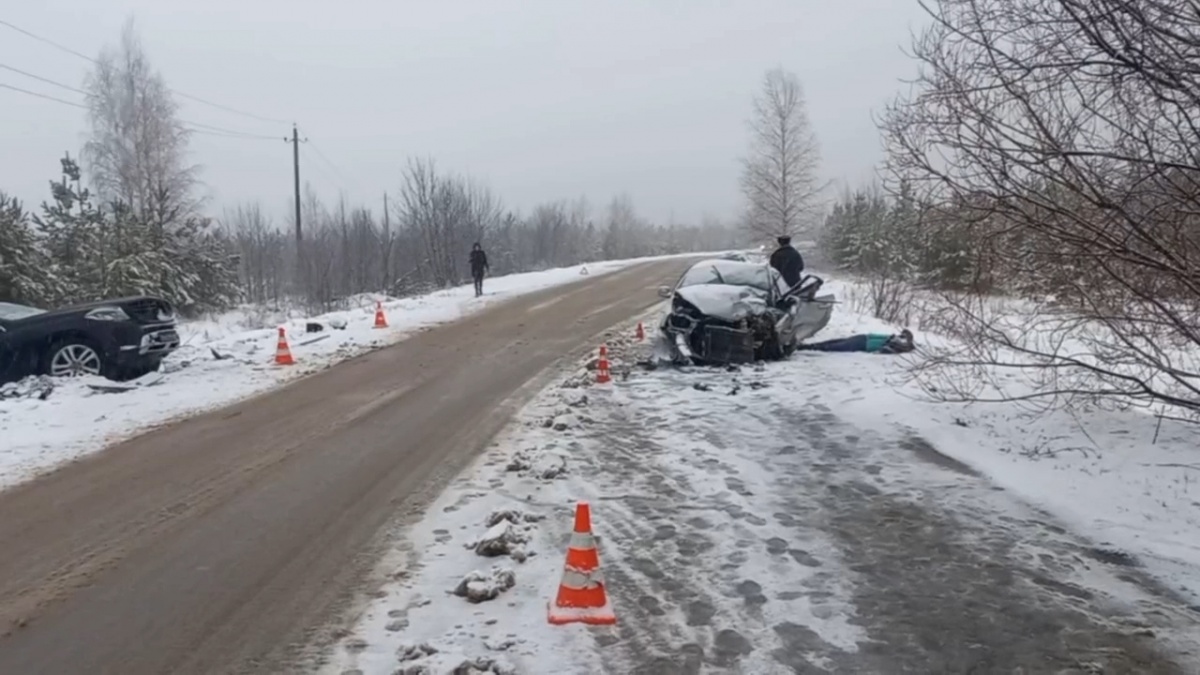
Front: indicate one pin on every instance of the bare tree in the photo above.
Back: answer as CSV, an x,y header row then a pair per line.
x,y
779,177
427,235
137,149
1059,140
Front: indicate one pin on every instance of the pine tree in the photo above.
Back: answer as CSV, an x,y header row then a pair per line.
x,y
25,275
72,229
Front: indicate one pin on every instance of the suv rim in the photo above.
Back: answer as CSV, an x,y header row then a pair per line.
x,y
74,361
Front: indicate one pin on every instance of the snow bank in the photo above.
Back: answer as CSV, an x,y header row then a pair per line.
x,y
1124,479
222,360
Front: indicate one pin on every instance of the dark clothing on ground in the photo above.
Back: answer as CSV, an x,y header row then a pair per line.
x,y
789,262
479,264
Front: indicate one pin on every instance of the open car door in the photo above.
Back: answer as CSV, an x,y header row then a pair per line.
x,y
812,311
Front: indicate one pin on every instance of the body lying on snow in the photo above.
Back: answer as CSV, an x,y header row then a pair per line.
x,y
872,343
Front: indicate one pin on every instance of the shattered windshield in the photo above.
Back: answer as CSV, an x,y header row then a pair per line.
x,y
11,312
730,272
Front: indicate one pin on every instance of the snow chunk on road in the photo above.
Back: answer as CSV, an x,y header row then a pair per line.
x,y
502,538
479,587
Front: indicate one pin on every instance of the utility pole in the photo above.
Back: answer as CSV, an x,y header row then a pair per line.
x,y
295,141
387,245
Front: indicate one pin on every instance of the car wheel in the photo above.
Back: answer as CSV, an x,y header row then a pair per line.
x,y
73,358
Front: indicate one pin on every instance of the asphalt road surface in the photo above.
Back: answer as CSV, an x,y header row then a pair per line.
x,y
225,543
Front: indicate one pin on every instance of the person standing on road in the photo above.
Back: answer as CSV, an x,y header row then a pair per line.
x,y
479,265
788,261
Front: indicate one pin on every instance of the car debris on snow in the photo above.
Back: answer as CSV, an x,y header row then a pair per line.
x,y
217,356
37,387
479,587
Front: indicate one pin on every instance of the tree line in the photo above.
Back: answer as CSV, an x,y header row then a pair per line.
x,y
124,218
1047,153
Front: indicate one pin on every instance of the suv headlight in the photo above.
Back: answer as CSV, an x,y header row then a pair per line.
x,y
107,314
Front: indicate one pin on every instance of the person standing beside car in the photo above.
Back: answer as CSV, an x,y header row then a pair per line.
x,y
788,261
479,265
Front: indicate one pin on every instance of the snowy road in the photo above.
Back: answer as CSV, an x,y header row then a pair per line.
x,y
817,545
218,545
785,519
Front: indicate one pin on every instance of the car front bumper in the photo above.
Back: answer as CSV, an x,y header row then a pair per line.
x,y
150,344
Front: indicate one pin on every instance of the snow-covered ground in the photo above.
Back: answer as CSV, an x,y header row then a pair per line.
x,y
82,416
806,515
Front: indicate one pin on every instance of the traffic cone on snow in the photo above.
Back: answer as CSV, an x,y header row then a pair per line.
x,y
641,332
283,354
380,319
603,376
581,594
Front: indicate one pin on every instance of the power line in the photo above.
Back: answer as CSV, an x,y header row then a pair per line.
x,y
194,127
42,79
227,108
197,126
334,183
181,94
327,161
48,98
216,130
49,42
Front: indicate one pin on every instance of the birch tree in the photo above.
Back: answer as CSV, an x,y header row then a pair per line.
x,y
780,174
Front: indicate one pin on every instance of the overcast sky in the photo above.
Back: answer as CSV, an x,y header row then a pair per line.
x,y
539,99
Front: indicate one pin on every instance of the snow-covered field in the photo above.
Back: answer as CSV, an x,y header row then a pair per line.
x,y
82,416
790,517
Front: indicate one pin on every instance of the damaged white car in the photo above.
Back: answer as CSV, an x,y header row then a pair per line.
x,y
728,311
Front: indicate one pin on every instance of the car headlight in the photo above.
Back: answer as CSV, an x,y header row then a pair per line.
x,y
107,314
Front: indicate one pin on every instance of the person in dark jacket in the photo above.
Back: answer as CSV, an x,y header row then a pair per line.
x,y
479,265
788,261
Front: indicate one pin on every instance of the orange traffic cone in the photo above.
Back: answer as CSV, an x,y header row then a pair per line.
x,y
581,595
602,374
641,332
380,319
283,354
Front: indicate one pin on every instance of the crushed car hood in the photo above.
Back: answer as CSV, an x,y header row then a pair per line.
x,y
724,302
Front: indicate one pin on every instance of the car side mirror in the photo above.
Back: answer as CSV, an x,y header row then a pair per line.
x,y
664,292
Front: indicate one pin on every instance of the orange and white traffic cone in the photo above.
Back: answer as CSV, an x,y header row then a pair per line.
x,y
603,376
380,319
581,594
283,354
641,332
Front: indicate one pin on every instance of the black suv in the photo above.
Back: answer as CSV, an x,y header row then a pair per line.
x,y
118,339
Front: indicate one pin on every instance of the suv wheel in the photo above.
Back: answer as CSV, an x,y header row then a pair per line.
x,y
73,358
